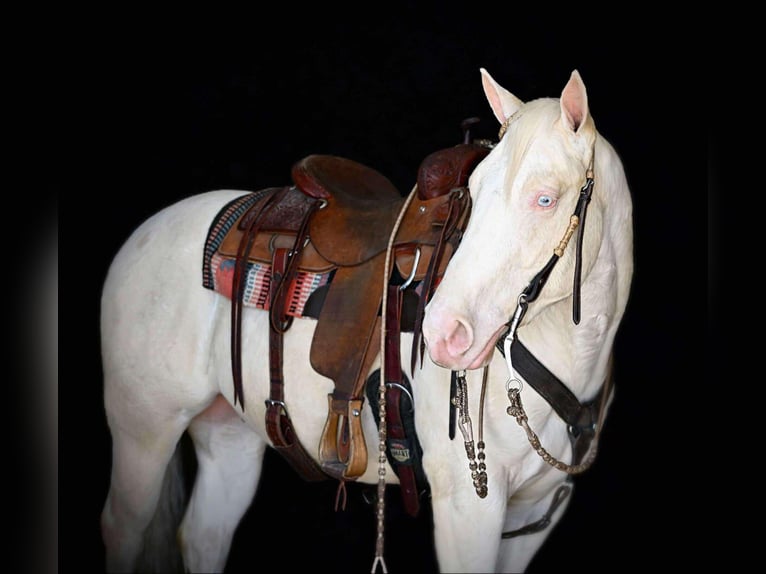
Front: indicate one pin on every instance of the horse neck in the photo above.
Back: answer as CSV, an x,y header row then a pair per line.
x,y
577,354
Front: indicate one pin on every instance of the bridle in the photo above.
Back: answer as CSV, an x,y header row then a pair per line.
x,y
545,383
583,420
576,222
532,291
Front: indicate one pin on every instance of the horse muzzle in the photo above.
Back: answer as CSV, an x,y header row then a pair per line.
x,y
452,342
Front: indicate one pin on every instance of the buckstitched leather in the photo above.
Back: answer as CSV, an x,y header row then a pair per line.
x,y
394,425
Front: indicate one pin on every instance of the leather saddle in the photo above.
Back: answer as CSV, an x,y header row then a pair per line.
x,y
337,218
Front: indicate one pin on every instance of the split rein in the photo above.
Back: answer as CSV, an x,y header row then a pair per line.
x,y
514,384
530,293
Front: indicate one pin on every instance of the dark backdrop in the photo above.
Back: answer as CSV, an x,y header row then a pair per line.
x,y
163,110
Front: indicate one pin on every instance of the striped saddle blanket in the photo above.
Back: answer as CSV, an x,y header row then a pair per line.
x,y
218,265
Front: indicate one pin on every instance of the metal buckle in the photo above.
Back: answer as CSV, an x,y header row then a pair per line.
x,y
273,403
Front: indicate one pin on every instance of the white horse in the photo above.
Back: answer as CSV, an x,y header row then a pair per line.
x,y
166,353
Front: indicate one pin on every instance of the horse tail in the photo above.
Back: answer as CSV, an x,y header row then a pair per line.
x,y
161,550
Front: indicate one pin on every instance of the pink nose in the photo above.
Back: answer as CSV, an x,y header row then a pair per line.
x,y
448,338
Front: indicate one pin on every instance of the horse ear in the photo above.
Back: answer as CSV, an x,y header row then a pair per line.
x,y
574,102
503,103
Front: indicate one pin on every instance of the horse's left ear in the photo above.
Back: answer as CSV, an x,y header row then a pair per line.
x,y
574,103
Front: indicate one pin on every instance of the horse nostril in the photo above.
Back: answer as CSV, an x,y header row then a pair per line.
x,y
460,339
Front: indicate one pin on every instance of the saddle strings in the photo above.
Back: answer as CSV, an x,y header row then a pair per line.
x,y
380,502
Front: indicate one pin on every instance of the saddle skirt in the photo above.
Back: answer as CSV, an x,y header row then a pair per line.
x,y
220,257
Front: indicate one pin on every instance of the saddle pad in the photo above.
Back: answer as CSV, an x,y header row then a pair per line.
x,y
218,269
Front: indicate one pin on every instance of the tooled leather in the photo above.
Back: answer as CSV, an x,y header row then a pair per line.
x,y
447,169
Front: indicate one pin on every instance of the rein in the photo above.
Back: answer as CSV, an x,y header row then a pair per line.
x,y
583,420
576,222
382,389
553,390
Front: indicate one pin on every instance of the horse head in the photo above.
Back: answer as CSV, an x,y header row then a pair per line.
x,y
524,194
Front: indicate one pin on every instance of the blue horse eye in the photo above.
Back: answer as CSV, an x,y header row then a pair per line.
x,y
545,201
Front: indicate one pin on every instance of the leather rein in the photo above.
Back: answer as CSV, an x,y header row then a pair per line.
x,y
584,420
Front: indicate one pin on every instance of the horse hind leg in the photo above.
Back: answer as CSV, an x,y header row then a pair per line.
x,y
141,477
229,459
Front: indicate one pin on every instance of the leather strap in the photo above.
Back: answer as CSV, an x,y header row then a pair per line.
x,y
342,447
458,204
452,407
278,316
580,210
547,385
397,439
532,290
543,522
346,357
238,286
278,424
581,418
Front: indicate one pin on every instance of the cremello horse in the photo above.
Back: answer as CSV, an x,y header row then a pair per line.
x,y
166,354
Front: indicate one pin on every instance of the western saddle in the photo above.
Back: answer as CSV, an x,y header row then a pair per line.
x,y
338,218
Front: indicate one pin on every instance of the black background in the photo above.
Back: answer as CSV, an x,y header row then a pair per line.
x,y
146,111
